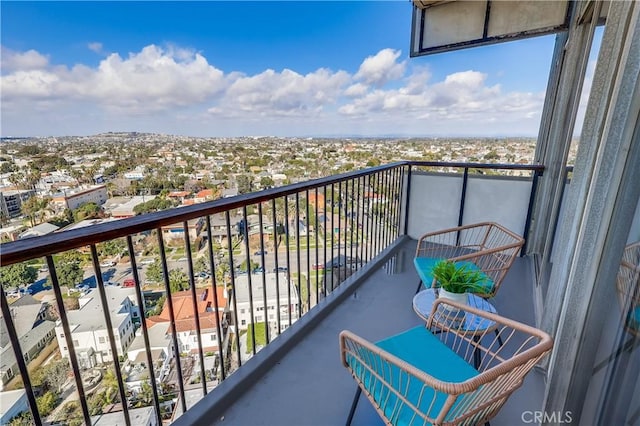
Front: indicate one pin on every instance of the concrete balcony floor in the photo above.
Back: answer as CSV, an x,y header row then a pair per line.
x,y
309,386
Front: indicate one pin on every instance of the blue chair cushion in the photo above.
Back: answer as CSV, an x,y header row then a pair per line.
x,y
425,352
633,319
424,267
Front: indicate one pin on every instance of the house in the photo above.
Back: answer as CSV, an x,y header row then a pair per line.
x,y
31,343
11,202
77,197
161,349
124,207
12,404
219,228
176,230
88,330
39,230
275,301
34,332
208,314
204,195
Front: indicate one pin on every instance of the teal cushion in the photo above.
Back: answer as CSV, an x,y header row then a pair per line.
x,y
424,266
633,319
425,352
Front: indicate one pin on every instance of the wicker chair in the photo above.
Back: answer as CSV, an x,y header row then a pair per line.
x,y
487,246
628,285
424,376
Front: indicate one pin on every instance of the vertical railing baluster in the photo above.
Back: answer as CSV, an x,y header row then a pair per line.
x,y
276,246
376,221
232,274
247,253
325,223
17,352
194,297
68,338
333,228
264,276
339,257
112,340
299,266
317,236
398,200
361,238
212,268
407,198
367,206
287,231
145,331
176,346
308,227
387,206
383,209
352,213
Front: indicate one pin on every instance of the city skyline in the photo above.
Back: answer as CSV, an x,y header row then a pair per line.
x,y
263,68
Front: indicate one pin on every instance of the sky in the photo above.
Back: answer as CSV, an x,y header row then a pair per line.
x,y
292,68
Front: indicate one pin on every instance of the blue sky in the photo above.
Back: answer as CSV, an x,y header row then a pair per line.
x,y
264,68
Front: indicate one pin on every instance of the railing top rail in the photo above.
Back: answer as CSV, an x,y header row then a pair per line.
x,y
31,248
500,166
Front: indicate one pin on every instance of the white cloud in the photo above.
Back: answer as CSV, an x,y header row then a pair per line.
x,y
173,89
95,47
29,60
282,93
381,68
150,80
356,90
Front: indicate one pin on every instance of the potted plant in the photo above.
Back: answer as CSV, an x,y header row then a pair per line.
x,y
456,280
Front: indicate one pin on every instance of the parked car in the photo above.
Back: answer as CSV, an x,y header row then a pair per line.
x,y
182,259
147,261
108,264
129,282
280,269
259,269
260,252
318,266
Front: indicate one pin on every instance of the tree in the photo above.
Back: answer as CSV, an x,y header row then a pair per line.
x,y
154,272
244,184
17,274
202,264
266,182
110,386
52,376
47,402
86,211
178,280
68,269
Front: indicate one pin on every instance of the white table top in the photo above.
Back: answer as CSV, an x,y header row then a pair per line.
x,y
424,300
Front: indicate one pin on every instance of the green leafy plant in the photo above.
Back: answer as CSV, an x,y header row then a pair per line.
x,y
458,278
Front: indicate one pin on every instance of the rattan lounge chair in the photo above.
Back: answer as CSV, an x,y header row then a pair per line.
x,y
487,246
628,285
424,376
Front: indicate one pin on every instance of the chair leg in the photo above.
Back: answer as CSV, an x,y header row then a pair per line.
x,y
499,337
419,286
354,404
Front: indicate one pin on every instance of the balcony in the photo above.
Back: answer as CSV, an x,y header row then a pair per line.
x,y
258,329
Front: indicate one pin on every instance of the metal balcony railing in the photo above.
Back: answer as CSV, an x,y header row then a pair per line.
x,y
310,235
